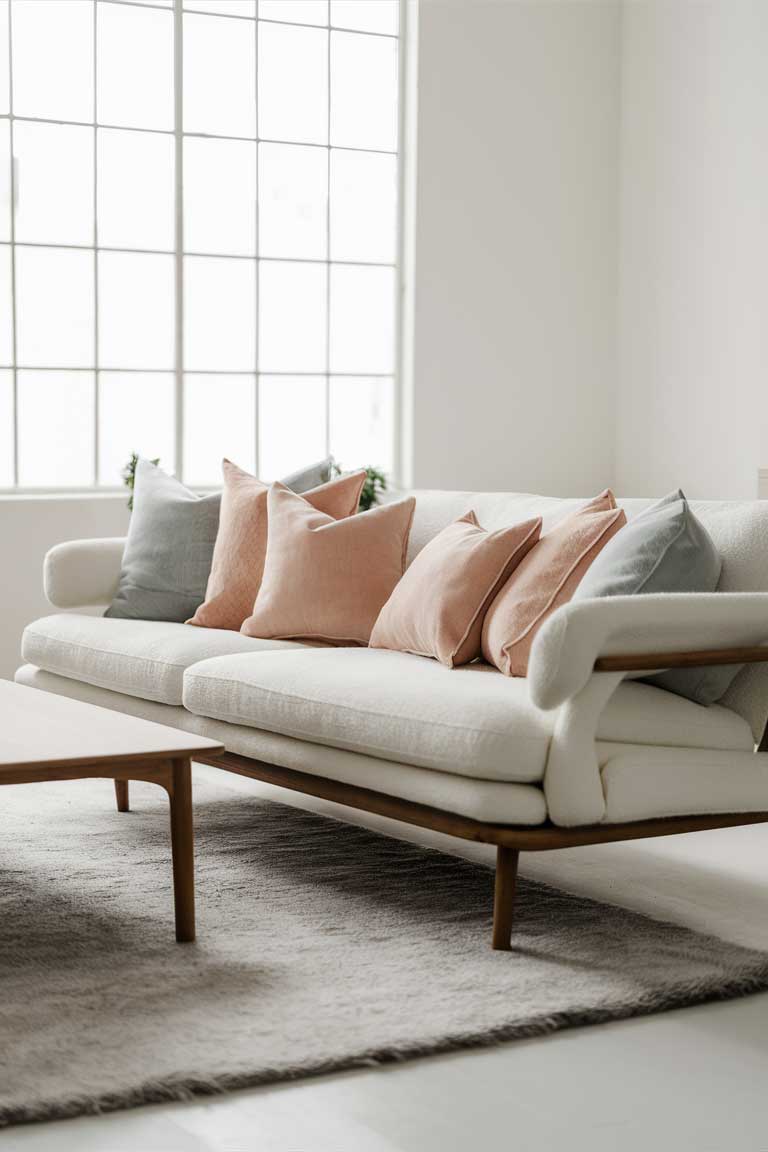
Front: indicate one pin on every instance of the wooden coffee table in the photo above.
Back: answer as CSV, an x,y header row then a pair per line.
x,y
47,737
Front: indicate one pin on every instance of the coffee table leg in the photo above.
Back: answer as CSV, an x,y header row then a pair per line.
x,y
121,795
183,850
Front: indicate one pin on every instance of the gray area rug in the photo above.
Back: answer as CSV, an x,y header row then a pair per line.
x,y
321,946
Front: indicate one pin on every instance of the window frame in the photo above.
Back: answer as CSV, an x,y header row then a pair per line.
x,y
177,11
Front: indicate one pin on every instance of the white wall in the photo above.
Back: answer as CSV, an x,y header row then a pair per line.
x,y
29,526
515,244
693,255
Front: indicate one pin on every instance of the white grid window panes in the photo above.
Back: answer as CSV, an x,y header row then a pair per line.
x,y
293,201
219,420
281,400
219,196
125,400
52,51
4,59
219,76
362,319
6,428
54,307
54,182
135,189
297,11
5,181
198,236
244,8
293,83
134,66
363,206
55,428
136,310
292,317
363,91
6,308
364,16
219,314
362,421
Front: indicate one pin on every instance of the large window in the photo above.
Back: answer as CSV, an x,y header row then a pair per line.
x,y
198,236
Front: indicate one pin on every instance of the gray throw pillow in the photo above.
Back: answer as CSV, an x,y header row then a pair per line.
x,y
168,553
664,549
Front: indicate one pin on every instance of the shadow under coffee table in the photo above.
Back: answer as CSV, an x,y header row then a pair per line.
x,y
46,737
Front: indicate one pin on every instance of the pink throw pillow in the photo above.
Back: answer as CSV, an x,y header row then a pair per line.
x,y
438,607
545,579
326,580
241,543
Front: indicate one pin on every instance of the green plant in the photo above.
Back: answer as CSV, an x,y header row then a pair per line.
x,y
129,475
375,484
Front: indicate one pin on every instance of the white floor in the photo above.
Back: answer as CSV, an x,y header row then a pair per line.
x,y
689,1081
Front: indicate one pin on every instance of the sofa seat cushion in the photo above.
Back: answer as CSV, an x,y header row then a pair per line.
x,y
471,721
145,658
492,801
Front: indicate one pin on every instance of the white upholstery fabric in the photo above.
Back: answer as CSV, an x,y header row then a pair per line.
x,y
141,657
83,573
477,799
471,721
646,783
643,714
640,782
565,650
448,731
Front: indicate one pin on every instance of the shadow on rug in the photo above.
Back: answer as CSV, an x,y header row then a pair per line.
x,y
321,947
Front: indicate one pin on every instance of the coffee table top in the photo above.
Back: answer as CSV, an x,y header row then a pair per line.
x,y
39,729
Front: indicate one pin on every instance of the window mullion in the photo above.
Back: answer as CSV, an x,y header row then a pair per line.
x,y
257,294
12,163
328,260
96,391
178,124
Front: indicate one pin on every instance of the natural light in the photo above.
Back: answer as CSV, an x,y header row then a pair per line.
x,y
198,236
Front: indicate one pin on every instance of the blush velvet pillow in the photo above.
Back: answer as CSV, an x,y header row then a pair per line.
x,y
437,608
241,544
546,578
326,580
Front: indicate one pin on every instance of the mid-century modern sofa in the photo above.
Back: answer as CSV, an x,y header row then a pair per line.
x,y
580,752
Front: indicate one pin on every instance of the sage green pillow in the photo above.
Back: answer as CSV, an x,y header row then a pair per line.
x,y
168,553
664,549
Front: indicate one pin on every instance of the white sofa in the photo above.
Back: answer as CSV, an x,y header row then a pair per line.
x,y
574,754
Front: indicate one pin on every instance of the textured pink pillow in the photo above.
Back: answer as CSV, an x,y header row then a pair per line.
x,y
438,607
241,543
326,580
545,579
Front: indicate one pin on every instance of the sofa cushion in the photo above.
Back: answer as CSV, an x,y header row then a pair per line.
x,y
437,608
326,580
544,580
472,721
241,544
145,658
664,549
493,801
168,550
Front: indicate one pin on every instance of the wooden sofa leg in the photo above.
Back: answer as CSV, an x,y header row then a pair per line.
x,y
121,795
504,897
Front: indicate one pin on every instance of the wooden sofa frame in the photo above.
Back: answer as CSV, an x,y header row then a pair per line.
x,y
510,839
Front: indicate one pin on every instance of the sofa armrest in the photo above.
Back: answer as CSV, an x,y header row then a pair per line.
x,y
643,633
83,573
